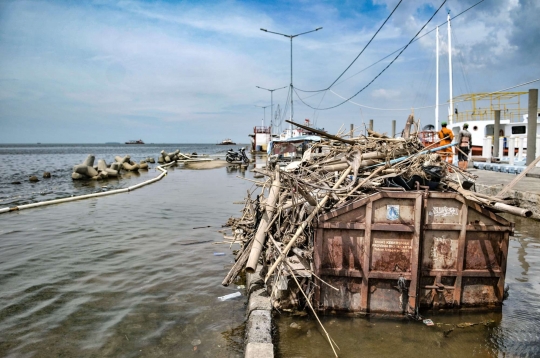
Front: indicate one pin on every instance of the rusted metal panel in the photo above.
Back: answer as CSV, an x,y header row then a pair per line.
x,y
342,249
394,252
384,297
391,252
347,299
440,249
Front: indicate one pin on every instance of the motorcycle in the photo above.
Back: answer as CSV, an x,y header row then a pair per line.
x,y
239,156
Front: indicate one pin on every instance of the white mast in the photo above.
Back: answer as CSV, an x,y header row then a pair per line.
x,y
450,71
437,81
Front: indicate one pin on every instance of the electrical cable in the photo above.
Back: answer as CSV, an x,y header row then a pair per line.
x,y
433,106
372,38
380,73
385,57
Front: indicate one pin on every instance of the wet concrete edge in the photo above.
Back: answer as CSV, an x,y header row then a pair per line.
x,y
524,199
259,319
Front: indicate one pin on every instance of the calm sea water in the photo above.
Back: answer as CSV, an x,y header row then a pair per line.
x,y
136,275
128,275
20,161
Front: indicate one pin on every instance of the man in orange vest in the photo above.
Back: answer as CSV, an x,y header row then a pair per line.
x,y
446,136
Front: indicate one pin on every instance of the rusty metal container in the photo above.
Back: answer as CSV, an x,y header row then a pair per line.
x,y
398,252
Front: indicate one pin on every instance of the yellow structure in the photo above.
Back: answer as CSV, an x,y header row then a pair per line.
x,y
484,104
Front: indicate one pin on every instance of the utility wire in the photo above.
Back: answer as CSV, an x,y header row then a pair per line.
x,y
380,73
372,38
385,57
441,104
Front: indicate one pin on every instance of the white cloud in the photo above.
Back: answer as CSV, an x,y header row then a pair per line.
x,y
134,64
385,93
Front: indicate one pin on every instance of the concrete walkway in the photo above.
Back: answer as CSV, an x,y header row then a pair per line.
x,y
259,319
526,192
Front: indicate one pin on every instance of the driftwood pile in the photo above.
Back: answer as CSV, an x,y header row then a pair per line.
x,y
87,170
276,226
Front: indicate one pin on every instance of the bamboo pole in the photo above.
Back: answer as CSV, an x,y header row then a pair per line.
x,y
361,183
260,236
305,223
322,133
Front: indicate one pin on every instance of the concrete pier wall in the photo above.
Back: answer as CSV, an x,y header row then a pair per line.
x,y
259,319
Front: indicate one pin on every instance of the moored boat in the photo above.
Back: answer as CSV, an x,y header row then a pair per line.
x,y
478,111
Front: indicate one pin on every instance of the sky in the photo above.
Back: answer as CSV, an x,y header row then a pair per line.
x,y
187,71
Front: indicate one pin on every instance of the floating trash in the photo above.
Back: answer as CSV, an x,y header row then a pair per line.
x,y
229,296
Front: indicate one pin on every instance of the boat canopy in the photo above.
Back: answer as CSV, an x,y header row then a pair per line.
x,y
291,142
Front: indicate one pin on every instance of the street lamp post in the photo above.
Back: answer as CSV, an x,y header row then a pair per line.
x,y
264,118
291,85
271,104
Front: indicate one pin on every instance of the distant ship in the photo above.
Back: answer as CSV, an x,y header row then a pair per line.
x,y
135,141
226,142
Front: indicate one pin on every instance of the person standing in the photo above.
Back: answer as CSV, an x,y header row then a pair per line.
x,y
464,140
446,137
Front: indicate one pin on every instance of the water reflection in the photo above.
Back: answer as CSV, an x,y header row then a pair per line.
x,y
125,275
513,332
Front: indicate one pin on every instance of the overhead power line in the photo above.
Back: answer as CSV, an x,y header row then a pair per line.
x,y
361,52
433,106
373,37
384,69
390,54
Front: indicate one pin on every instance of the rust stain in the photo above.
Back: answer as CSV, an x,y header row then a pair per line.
x,y
474,258
443,253
393,262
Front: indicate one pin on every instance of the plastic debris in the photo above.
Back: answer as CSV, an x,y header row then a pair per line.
x,y
428,322
219,254
229,296
295,325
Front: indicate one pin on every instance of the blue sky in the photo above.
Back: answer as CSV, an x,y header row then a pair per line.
x,y
187,71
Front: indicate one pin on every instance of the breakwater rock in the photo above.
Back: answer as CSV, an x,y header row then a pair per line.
x,y
86,170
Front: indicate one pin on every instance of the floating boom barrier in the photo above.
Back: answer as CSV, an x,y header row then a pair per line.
x,y
88,196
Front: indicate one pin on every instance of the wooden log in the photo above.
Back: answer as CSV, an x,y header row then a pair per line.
x,y
260,235
343,166
311,200
512,210
407,130
322,133
493,203
304,224
238,265
376,134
